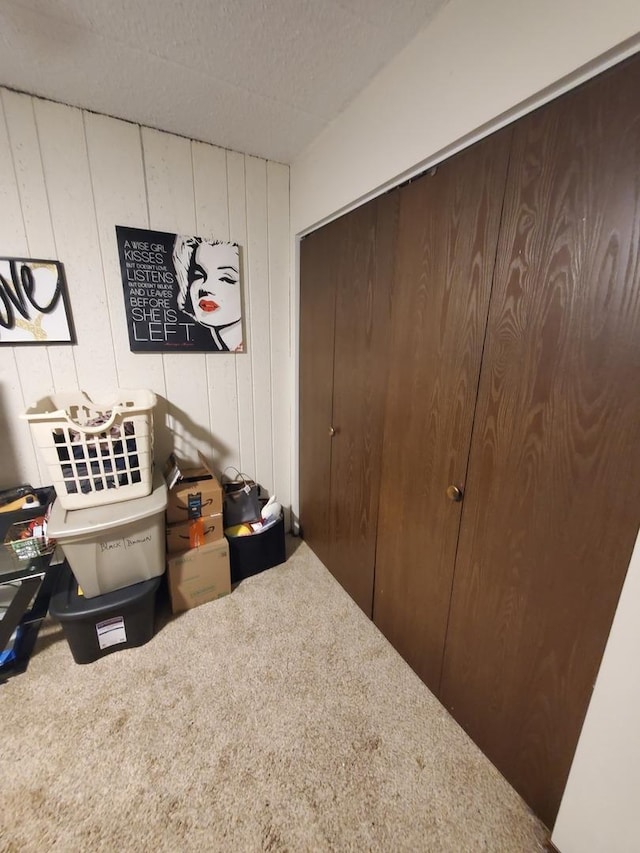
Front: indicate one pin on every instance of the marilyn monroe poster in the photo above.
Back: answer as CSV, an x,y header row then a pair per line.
x,y
182,293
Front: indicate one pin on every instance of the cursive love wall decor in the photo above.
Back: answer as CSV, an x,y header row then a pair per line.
x,y
34,304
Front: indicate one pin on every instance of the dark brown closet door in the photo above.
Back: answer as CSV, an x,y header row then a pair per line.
x,y
445,255
364,258
317,309
553,494
345,279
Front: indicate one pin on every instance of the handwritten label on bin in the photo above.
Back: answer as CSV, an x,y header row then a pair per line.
x,y
124,544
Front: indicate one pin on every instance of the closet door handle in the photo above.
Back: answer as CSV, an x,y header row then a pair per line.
x,y
332,431
454,494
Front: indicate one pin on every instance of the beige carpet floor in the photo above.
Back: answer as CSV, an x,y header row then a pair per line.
x,y
275,719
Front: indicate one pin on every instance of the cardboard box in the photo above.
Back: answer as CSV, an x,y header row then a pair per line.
x,y
193,492
194,534
199,575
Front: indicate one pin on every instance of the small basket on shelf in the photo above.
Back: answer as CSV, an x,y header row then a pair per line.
x,y
28,539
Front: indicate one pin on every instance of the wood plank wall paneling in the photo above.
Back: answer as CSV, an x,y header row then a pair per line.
x,y
68,183
258,281
67,178
282,367
117,174
169,176
17,447
236,187
36,365
212,214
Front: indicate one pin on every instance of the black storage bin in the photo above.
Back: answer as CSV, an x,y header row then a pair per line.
x,y
95,627
249,555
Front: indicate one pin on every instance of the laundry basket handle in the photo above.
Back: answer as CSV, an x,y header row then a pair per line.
x,y
94,430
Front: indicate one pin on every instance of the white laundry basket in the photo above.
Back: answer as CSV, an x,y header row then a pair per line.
x,y
96,453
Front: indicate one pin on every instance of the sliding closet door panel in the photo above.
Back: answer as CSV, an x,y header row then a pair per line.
x,y
364,258
317,307
445,255
553,494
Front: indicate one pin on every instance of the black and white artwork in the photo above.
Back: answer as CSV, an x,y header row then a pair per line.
x,y
34,306
181,293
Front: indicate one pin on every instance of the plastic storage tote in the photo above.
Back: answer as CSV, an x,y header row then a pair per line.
x,y
114,546
99,626
249,555
96,453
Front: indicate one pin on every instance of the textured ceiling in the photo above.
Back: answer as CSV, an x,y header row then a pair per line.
x,y
258,76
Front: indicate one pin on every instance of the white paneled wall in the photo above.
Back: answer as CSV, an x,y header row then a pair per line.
x,y
67,178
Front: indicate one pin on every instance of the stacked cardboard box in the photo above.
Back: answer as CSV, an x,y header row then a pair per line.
x,y
197,552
